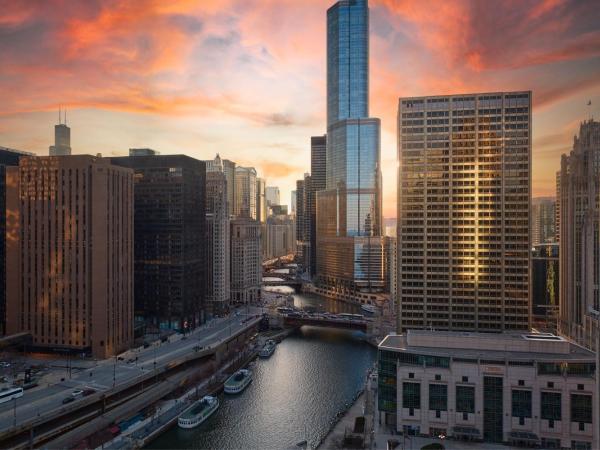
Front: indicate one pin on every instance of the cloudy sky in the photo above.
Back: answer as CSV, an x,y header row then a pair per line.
x,y
246,78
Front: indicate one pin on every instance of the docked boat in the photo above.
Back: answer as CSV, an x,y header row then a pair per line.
x,y
371,309
198,412
237,382
268,349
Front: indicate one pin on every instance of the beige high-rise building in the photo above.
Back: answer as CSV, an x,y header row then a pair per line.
x,y
464,190
70,243
580,236
246,267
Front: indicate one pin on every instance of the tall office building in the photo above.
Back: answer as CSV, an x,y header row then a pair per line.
x,y
293,203
545,287
543,218
8,157
228,168
350,248
579,236
62,138
170,240
218,243
301,240
272,195
318,182
245,195
464,189
70,243
280,236
261,200
246,267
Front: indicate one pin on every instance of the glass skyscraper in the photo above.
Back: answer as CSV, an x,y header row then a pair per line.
x,y
350,249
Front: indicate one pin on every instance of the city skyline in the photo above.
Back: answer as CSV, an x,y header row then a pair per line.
x,y
132,76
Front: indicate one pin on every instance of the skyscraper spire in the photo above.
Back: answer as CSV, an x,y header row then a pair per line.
x,y
62,136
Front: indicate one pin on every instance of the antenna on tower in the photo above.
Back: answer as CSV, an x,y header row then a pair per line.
x,y
59,114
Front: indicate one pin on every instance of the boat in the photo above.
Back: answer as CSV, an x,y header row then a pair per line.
x,y
268,349
237,382
198,412
369,308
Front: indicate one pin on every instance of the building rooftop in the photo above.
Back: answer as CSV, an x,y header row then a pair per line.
x,y
499,346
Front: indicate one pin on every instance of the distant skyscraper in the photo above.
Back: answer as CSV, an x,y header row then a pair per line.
x,y
272,194
579,236
245,195
228,168
8,157
170,239
62,138
543,217
280,236
218,248
463,211
293,202
261,201
70,229
350,248
246,267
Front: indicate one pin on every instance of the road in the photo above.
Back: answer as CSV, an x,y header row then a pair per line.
x,y
112,372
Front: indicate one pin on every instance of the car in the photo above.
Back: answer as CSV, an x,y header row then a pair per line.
x,y
4,364
89,391
77,392
130,360
68,400
120,358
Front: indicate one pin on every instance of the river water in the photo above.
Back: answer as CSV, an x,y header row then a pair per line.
x,y
314,375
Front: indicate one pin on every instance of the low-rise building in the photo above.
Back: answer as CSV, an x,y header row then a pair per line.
x,y
533,389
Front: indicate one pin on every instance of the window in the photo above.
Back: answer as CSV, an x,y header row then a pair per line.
x,y
438,377
580,387
521,403
550,406
465,379
411,395
465,399
550,384
411,375
438,397
581,408
521,382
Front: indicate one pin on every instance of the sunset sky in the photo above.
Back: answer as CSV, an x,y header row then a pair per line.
x,y
246,78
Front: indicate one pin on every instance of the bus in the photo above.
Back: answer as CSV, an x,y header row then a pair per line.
x,y
7,394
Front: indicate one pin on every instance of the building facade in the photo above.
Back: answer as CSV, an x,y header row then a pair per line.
x,y
280,236
272,195
579,236
464,189
170,240
218,244
8,157
246,267
245,192
70,243
545,290
534,390
302,243
261,200
543,219
318,182
350,248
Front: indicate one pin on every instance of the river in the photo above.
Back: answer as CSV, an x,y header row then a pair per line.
x,y
313,376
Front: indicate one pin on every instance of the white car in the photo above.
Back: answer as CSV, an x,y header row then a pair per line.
x,y
77,392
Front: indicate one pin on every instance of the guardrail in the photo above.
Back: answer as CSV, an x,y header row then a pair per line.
x,y
104,396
